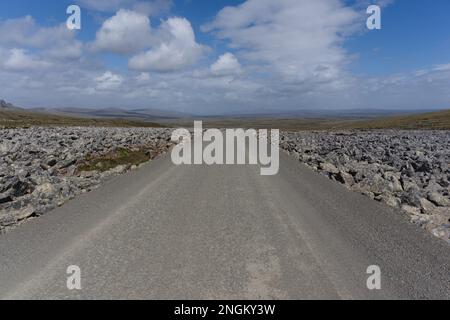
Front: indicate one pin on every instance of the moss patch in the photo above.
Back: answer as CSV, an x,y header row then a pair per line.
x,y
120,156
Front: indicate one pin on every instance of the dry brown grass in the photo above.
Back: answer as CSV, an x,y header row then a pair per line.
x,y
433,120
429,121
23,118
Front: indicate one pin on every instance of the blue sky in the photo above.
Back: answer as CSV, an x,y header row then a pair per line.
x,y
221,56
415,35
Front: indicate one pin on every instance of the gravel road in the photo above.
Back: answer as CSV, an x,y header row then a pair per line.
x,y
223,232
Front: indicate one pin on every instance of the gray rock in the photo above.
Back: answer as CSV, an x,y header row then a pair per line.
x,y
345,178
426,206
390,200
20,188
329,167
377,184
5,197
438,199
119,169
7,220
52,162
411,198
24,213
410,209
46,190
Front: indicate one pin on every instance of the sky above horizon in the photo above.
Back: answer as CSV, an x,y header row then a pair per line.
x,y
226,56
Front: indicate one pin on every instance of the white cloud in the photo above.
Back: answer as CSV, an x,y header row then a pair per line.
x,y
227,64
293,51
126,32
58,42
108,81
299,40
170,47
177,48
66,51
143,77
26,32
19,60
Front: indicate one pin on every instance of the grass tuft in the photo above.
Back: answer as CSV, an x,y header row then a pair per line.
x,y
120,156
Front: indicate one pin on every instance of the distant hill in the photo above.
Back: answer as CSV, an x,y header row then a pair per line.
x,y
135,114
316,113
5,105
11,117
439,120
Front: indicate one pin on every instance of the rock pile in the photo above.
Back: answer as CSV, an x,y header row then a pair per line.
x,y
38,166
409,170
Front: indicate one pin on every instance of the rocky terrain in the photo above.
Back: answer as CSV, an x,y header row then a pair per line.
x,y
408,170
40,167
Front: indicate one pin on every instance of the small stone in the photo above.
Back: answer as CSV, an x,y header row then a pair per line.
x,y
5,197
410,209
427,206
67,163
345,178
24,213
119,169
441,232
45,190
390,200
88,174
438,199
7,220
52,162
411,198
396,185
328,167
21,188
422,220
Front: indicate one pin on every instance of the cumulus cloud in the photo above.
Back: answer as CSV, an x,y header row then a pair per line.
x,y
227,64
26,32
300,40
177,48
292,52
126,32
19,60
57,41
108,81
169,47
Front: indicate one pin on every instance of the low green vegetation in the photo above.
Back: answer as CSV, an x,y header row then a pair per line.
x,y
120,156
